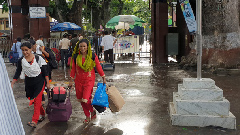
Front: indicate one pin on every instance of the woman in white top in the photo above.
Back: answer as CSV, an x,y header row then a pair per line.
x,y
33,69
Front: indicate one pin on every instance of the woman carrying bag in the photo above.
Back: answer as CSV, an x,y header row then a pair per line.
x,y
33,69
82,66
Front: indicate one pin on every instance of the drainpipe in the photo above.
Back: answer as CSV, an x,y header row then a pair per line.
x,y
199,39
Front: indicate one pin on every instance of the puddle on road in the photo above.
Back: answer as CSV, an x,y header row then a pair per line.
x,y
133,127
120,76
133,92
142,73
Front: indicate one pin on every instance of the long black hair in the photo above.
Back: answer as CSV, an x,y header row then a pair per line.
x,y
27,44
85,41
32,42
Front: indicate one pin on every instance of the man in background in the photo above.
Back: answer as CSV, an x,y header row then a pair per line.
x,y
63,46
73,42
40,41
107,45
17,46
95,41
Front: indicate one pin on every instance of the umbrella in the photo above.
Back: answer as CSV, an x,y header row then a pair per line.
x,y
122,25
65,26
132,20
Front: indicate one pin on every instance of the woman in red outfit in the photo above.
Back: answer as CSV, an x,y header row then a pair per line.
x,y
82,70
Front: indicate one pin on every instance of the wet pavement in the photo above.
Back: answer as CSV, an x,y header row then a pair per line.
x,y
147,90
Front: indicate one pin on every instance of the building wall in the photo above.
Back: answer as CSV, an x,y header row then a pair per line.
x,y
159,31
4,24
22,25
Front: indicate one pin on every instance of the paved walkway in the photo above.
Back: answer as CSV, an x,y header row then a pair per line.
x,y
147,91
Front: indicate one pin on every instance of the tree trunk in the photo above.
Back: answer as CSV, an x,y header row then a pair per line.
x,y
220,24
59,15
96,15
76,13
120,7
102,14
106,12
221,44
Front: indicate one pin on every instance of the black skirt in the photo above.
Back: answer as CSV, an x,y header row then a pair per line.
x,y
34,85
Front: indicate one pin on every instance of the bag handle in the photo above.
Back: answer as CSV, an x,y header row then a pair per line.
x,y
48,93
68,88
58,94
15,47
108,86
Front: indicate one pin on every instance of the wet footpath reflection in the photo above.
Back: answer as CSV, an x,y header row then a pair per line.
x,y
147,90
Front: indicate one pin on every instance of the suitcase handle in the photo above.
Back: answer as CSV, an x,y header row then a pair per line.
x,y
49,92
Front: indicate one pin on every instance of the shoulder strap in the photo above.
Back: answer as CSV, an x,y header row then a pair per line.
x,y
75,57
93,56
15,47
37,58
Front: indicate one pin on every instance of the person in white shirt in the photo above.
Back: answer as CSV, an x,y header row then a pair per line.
x,y
107,44
63,46
40,41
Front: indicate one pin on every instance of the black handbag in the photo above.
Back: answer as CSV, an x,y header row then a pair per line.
x,y
100,109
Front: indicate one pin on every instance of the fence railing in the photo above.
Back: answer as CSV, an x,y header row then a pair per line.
x,y
54,42
5,48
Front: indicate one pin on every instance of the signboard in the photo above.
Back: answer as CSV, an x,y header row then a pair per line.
x,y
189,16
37,12
127,44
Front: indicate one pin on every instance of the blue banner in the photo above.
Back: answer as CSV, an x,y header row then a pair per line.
x,y
189,16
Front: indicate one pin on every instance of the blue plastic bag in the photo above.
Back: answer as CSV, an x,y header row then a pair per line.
x,y
101,97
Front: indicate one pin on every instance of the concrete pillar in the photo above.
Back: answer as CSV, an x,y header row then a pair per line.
x,y
39,26
18,20
200,103
21,24
159,31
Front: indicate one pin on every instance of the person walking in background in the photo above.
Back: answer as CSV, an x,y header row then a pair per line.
x,y
63,46
70,36
73,42
95,42
82,70
35,47
80,37
10,120
107,44
17,46
40,41
33,69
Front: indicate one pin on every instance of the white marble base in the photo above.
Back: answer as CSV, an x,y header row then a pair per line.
x,y
202,120
215,94
200,107
193,83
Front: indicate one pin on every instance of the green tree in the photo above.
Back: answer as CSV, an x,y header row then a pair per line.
x,y
4,4
64,11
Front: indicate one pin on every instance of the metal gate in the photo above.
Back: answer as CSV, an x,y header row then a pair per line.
x,y
5,48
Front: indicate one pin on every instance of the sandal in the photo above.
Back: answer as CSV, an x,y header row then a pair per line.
x,y
86,121
94,116
32,124
41,119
